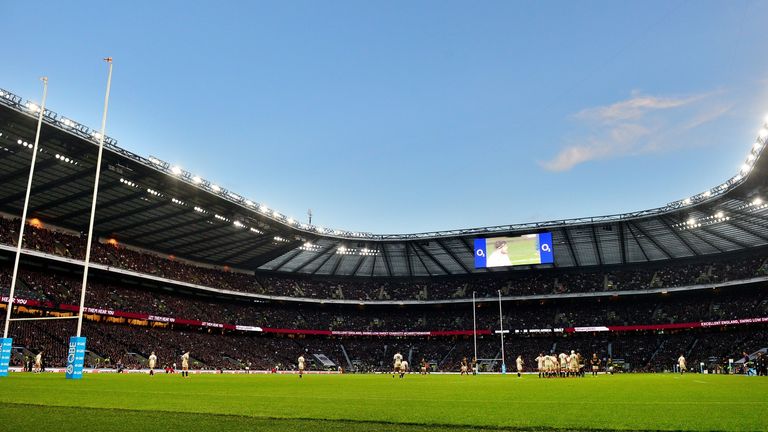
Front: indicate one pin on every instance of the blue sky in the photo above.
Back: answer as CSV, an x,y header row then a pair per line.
x,y
396,117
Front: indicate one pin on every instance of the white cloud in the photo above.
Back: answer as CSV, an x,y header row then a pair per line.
x,y
640,124
633,108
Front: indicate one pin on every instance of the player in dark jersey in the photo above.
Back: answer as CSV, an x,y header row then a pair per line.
x,y
595,364
424,367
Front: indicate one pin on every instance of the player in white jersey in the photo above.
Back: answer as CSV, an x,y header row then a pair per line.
x,y
301,365
152,363
573,364
563,364
185,364
403,368
681,364
39,362
398,359
540,363
519,363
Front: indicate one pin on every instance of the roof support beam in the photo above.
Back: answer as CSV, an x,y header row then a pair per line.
x,y
121,215
738,224
72,197
679,237
133,225
207,228
622,243
386,259
570,246
337,265
432,258
264,258
714,246
727,239
637,242
711,210
375,256
408,259
288,259
653,240
107,204
229,245
421,260
597,245
453,255
39,167
38,189
358,265
330,248
747,217
330,255
152,221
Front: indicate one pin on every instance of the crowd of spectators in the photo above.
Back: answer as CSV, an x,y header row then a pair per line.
x,y
704,305
113,345
547,281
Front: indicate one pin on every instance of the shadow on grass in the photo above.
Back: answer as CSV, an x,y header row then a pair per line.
x,y
41,417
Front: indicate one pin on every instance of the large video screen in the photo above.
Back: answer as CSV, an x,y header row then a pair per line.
x,y
512,251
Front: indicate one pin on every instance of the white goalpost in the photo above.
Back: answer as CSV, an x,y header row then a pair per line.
x,y
76,349
7,343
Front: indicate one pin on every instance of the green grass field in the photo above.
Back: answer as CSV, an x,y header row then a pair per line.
x,y
381,403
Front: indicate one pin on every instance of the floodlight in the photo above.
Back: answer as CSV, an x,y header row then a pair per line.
x,y
33,107
719,215
691,221
757,201
215,188
197,180
686,201
763,133
176,170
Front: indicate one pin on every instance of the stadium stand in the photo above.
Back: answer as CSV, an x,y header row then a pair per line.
x,y
527,283
182,264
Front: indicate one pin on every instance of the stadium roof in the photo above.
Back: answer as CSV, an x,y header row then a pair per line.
x,y
147,203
